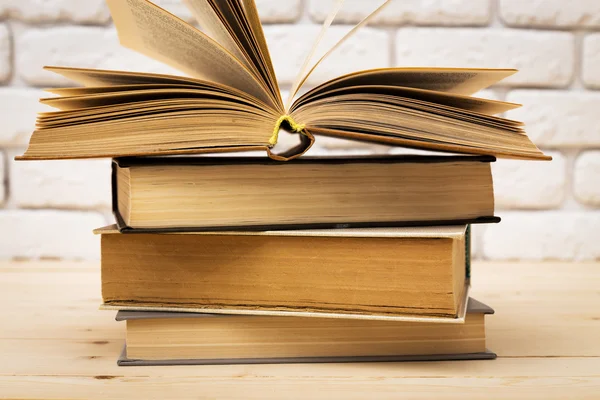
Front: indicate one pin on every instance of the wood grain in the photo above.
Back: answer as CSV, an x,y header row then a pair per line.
x,y
55,343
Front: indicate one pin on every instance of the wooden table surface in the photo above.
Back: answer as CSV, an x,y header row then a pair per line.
x,y
56,344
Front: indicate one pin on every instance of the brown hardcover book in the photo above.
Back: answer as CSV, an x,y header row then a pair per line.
x,y
413,274
195,194
155,338
230,99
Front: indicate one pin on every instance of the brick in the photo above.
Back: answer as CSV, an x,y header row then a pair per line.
x,y
545,59
419,12
88,11
554,235
5,54
289,45
49,234
558,119
18,113
591,60
72,46
277,11
587,178
2,179
550,13
530,184
74,184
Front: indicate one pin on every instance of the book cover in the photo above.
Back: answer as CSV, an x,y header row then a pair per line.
x,y
474,307
273,170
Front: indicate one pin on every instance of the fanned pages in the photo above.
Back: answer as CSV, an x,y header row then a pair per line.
x,y
306,65
230,100
305,74
150,30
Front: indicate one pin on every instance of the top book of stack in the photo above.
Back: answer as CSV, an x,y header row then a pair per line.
x,y
230,100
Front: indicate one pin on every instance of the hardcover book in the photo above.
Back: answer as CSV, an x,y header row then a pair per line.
x,y
408,274
195,194
230,99
207,339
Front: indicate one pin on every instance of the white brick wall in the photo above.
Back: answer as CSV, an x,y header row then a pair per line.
x,y
591,60
549,210
49,234
545,59
72,184
566,235
82,46
37,11
559,118
5,67
419,12
19,106
530,185
277,11
551,13
368,49
587,178
2,179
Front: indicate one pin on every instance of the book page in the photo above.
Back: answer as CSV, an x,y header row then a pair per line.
x,y
150,30
390,120
236,31
467,111
139,95
237,21
305,74
326,24
259,35
211,23
431,97
98,78
462,81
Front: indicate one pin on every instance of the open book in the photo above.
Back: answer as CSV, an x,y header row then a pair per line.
x,y
230,99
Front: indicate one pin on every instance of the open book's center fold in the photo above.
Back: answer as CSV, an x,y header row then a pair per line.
x,y
295,127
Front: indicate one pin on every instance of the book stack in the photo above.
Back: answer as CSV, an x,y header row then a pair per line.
x,y
214,261
219,260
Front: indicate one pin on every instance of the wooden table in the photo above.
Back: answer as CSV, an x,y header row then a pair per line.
x,y
55,343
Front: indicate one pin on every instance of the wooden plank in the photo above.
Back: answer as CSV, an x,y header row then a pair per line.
x,y
54,303
539,308
314,387
55,343
98,357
